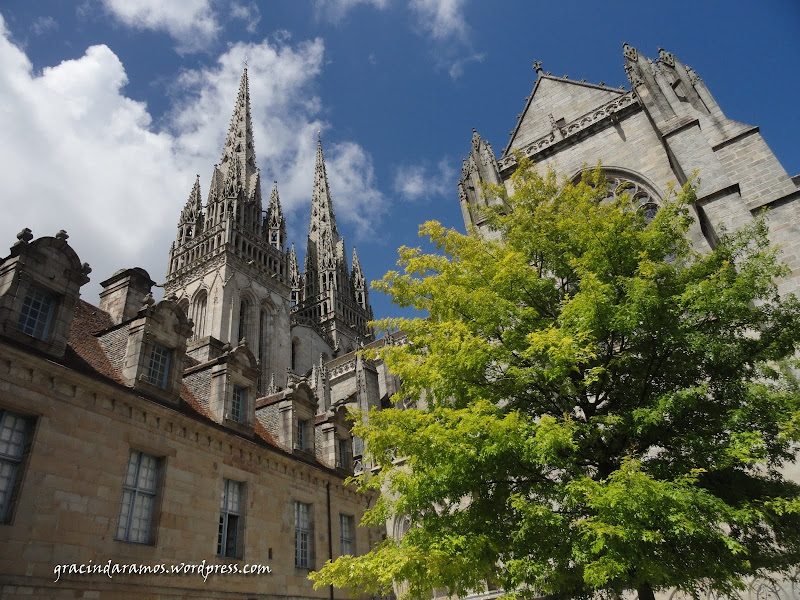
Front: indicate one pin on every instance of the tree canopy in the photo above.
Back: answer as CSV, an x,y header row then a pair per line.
x,y
598,406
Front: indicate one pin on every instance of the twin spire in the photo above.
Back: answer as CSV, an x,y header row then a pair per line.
x,y
234,219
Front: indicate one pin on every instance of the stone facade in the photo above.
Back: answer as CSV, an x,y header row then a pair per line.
x,y
664,129
660,132
205,429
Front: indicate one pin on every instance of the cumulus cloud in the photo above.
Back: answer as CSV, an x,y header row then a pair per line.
x,y
442,19
192,23
335,10
80,155
416,182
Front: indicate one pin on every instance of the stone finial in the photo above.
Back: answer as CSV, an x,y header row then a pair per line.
x,y
666,58
629,52
537,66
62,235
243,341
85,268
25,236
148,300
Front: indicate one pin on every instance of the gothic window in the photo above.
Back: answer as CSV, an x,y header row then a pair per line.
x,y
229,519
138,498
198,314
646,199
37,312
244,318
14,430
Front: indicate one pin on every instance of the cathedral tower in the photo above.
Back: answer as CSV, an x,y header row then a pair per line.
x,y
328,293
228,266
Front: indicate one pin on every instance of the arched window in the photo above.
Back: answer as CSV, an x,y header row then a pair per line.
x,y
244,318
198,314
621,181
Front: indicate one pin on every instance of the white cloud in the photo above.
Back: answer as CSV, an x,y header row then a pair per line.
x,y
441,19
43,25
246,12
191,22
415,182
80,155
335,10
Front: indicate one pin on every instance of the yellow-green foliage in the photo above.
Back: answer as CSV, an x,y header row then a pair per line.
x,y
599,407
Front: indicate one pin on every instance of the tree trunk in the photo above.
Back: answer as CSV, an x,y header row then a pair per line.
x,y
645,592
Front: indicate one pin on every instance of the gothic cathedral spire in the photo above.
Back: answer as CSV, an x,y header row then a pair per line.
x,y
328,295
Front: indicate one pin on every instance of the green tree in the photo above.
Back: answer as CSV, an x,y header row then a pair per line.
x,y
601,407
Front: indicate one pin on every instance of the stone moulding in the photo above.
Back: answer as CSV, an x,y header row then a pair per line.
x,y
573,127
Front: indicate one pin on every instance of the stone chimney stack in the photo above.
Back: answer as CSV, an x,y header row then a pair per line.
x,y
124,292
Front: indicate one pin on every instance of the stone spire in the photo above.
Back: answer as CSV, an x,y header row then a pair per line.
x,y
323,221
239,143
359,283
325,293
295,279
274,222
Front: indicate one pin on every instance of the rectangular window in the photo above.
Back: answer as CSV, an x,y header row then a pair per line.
x,y
344,458
138,498
301,433
13,436
36,313
238,403
159,365
346,534
302,535
229,516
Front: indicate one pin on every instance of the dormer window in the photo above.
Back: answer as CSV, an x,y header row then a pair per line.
x,y
158,371
238,402
36,313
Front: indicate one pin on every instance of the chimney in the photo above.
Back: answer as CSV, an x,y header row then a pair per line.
x,y
123,293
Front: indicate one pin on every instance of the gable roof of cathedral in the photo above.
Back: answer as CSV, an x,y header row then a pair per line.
x,y
551,94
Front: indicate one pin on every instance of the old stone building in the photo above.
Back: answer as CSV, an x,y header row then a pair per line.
x,y
661,131
205,431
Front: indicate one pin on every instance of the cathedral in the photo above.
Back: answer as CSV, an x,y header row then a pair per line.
x,y
198,446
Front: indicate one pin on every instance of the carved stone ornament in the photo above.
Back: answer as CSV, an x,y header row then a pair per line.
x,y
629,52
62,235
25,236
666,58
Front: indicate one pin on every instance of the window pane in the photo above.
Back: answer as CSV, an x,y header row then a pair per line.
x,y
227,535
159,365
34,318
138,498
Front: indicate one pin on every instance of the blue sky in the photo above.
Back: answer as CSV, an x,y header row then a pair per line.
x,y
108,108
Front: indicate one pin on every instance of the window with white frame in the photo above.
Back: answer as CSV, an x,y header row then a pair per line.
x,y
238,403
13,437
138,498
37,313
229,519
302,535
302,426
347,534
158,371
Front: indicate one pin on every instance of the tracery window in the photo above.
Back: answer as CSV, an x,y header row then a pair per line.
x,y
647,200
